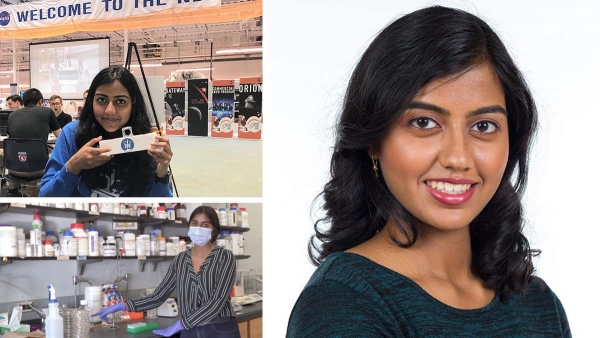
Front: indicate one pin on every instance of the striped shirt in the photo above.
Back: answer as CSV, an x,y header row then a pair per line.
x,y
203,296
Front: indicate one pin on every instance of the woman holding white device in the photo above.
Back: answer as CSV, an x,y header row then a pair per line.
x,y
79,168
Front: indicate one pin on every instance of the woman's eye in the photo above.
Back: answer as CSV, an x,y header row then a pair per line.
x,y
101,100
423,123
484,127
121,101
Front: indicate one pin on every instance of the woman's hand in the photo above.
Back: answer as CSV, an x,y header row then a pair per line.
x,y
171,330
111,309
162,153
88,157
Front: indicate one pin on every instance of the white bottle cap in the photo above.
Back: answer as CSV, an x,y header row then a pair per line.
x,y
83,302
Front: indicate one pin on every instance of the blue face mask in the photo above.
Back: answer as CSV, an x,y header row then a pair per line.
x,y
200,236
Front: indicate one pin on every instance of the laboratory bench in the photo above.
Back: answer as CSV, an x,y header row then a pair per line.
x,y
249,320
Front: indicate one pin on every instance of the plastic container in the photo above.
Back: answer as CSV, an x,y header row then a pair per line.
x,y
93,248
221,241
101,242
171,214
222,216
235,239
129,244
142,211
54,322
109,249
146,239
154,249
157,231
140,246
82,243
50,235
80,321
35,235
68,244
232,217
21,248
162,246
181,245
161,213
37,220
48,248
94,207
245,218
228,241
116,209
8,241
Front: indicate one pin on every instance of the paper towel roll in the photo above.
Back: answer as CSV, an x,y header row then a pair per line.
x,y
93,296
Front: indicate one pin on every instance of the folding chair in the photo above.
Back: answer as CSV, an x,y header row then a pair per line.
x,y
24,156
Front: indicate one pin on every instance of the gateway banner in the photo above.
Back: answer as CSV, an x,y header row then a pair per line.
x,y
72,12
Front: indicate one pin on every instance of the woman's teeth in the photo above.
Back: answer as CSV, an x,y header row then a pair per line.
x,y
449,188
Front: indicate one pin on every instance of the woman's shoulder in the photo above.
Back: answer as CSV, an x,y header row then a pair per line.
x,y
70,128
352,270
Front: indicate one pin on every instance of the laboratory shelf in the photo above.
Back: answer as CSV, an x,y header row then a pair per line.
x,y
86,216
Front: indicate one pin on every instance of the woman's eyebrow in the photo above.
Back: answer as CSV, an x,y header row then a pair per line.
x,y
445,112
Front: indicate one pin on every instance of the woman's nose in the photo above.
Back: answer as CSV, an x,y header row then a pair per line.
x,y
456,152
110,108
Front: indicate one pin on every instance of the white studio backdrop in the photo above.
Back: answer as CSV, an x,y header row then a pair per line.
x,y
311,48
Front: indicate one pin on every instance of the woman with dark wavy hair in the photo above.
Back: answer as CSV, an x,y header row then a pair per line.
x,y
78,167
424,223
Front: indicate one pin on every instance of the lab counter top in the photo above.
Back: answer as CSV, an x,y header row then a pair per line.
x,y
248,312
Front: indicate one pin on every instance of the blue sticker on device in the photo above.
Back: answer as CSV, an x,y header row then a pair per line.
x,y
127,144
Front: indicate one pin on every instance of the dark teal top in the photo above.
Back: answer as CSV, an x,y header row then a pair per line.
x,y
352,296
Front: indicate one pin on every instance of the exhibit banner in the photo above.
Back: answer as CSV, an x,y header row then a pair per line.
x,y
198,107
175,108
250,107
223,102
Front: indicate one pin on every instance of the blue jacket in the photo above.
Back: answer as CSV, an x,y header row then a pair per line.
x,y
58,182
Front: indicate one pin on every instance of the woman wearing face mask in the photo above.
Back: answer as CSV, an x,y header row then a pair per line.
x,y
203,276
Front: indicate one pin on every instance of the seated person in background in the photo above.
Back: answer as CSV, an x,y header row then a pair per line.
x,y
77,168
31,121
14,102
56,105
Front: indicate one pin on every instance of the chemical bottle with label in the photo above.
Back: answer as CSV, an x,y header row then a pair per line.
x,y
180,212
245,219
93,247
54,322
37,221
232,217
222,217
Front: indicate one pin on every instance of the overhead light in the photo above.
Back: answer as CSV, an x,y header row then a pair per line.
x,y
239,51
4,76
194,69
147,65
4,86
6,71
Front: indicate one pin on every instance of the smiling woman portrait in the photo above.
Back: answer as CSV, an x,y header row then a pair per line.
x,y
423,227
79,168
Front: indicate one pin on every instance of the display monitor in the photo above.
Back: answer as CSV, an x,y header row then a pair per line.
x,y
67,68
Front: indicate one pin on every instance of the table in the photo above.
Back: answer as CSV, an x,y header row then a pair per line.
x,y
248,312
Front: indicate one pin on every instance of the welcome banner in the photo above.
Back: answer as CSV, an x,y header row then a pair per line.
x,y
51,18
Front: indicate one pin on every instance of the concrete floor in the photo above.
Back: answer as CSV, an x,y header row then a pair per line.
x,y
212,167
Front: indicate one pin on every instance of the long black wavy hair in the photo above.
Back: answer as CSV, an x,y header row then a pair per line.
x,y
134,169
425,45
